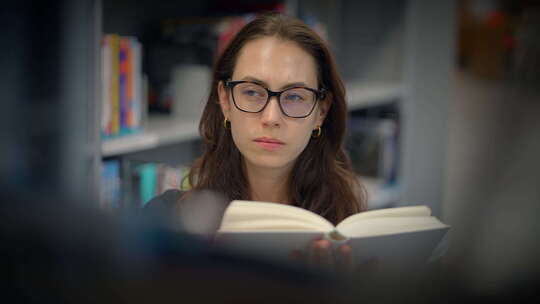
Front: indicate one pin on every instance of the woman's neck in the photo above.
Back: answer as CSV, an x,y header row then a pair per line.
x,y
268,185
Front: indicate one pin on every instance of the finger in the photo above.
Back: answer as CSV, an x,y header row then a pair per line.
x,y
344,261
321,255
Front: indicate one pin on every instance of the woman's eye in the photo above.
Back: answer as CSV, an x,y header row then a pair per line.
x,y
251,93
294,97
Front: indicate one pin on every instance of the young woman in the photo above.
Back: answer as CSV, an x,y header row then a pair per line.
x,y
274,123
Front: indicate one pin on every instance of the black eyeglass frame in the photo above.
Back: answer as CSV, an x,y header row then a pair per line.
x,y
319,95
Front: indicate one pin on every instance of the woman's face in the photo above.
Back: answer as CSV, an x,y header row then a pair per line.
x,y
269,139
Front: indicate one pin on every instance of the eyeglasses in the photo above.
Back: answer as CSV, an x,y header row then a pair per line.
x,y
295,102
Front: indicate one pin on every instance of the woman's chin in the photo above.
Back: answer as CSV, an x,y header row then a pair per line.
x,y
269,162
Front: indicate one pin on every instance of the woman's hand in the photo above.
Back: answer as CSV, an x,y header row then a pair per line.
x,y
320,254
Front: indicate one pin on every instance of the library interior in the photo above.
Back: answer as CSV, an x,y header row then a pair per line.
x,y
102,101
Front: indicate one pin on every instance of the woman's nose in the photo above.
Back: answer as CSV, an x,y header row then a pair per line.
x,y
271,115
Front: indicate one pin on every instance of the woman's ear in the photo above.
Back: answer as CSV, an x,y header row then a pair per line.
x,y
324,106
223,99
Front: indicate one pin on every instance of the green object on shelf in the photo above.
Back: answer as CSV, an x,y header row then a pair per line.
x,y
184,184
148,174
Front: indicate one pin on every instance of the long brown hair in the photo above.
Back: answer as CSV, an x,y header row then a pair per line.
x,y
322,179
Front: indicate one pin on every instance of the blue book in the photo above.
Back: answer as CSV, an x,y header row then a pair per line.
x,y
110,184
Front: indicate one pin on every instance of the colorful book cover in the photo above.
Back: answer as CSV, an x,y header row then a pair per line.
x,y
123,86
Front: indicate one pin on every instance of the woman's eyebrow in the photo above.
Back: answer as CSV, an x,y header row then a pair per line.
x,y
289,85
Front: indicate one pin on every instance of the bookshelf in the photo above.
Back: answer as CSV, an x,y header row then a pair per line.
x,y
362,95
160,130
387,52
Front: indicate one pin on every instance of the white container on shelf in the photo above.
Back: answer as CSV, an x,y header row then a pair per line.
x,y
190,85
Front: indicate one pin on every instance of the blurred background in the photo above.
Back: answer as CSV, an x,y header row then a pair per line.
x,y
101,99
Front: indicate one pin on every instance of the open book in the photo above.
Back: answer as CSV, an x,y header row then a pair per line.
x,y
395,235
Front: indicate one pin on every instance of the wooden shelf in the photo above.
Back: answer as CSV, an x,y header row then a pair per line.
x,y
160,130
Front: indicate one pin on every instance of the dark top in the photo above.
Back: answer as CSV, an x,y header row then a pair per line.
x,y
165,202
172,204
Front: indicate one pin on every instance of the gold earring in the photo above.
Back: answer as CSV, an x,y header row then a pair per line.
x,y
226,124
318,132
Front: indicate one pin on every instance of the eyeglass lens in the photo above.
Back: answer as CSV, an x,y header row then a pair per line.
x,y
295,102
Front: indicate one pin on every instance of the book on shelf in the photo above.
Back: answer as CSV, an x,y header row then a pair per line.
x,y
373,146
139,105
106,85
394,236
145,180
110,191
131,184
123,103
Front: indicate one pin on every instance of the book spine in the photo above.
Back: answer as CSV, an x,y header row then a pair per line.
x,y
140,106
145,100
115,102
148,185
106,122
388,159
129,83
122,83
110,184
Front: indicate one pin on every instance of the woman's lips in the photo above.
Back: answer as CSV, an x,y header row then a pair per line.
x,y
269,144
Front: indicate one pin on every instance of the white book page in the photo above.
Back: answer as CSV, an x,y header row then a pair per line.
x,y
408,211
279,225
390,225
262,216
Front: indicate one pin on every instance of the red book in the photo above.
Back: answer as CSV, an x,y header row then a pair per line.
x,y
122,81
